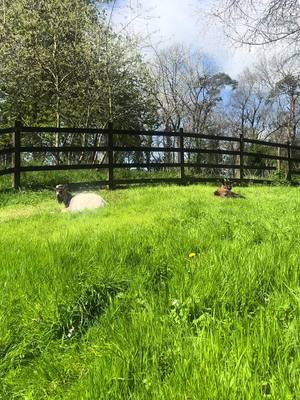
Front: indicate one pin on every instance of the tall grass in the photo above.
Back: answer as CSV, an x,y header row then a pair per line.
x,y
167,293
49,179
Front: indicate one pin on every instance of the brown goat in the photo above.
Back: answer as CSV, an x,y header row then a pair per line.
x,y
225,191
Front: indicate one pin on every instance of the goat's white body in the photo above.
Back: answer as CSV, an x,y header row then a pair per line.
x,y
84,201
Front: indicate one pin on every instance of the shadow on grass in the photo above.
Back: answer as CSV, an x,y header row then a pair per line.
x,y
75,319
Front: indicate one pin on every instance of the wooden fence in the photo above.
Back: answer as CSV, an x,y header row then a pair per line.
x,y
18,132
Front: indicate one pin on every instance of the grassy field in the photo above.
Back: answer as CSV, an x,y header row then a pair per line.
x,y
167,293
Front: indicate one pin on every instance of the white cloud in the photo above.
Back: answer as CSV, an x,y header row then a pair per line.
x,y
186,22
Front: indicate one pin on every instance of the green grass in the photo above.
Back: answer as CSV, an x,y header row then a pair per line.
x,y
49,179
109,305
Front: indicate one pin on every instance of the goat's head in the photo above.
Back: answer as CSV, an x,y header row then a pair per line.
x,y
61,193
227,184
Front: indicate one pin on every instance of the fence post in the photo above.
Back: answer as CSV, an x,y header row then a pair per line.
x,y
110,150
16,181
181,155
278,160
241,157
289,171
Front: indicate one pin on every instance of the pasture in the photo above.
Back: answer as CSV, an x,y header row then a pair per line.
x,y
167,293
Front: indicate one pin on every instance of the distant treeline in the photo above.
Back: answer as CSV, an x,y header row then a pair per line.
x,y
64,64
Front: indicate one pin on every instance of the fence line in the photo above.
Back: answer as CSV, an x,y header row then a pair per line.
x,y
19,131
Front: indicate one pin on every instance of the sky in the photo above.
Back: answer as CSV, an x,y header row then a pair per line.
x,y
164,22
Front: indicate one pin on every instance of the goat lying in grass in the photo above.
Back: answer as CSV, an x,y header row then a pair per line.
x,y
79,202
225,191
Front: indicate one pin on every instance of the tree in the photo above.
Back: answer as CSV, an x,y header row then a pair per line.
x,y
43,55
288,88
62,64
188,90
259,22
281,79
250,108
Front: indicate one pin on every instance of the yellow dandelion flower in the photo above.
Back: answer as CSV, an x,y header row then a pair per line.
x,y
191,255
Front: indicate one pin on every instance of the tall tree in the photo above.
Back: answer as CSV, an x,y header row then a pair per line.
x,y
280,77
250,109
257,22
43,54
63,65
188,89
288,88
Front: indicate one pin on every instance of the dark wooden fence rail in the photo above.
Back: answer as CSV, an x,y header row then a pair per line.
x,y
18,132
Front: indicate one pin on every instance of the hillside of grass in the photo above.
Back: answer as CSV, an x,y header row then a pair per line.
x,y
167,293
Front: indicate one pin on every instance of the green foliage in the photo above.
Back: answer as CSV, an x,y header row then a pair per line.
x,y
167,293
61,65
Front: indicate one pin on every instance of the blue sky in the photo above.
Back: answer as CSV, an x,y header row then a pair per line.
x,y
164,22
